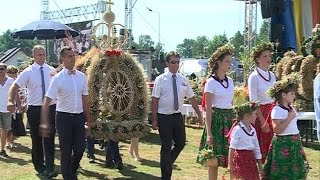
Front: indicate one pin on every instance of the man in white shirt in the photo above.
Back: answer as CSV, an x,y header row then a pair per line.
x,y
169,91
316,97
37,78
69,88
5,115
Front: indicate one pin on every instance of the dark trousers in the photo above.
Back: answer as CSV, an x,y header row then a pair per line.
x,y
112,152
42,148
90,146
171,128
71,133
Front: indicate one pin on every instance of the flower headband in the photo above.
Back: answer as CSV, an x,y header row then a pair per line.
x,y
227,48
291,79
256,51
246,107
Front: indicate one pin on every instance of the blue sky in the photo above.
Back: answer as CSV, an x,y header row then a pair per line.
x,y
179,19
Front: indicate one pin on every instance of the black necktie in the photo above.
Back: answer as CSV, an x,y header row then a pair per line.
x,y
175,93
43,86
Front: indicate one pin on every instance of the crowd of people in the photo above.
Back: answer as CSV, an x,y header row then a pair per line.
x,y
252,139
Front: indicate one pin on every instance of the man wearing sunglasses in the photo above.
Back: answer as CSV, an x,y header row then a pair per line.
x,y
169,91
5,115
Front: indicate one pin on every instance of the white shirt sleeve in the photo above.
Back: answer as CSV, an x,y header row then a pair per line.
x,y
190,93
209,86
156,88
235,138
53,88
253,87
256,151
316,88
276,113
23,78
85,87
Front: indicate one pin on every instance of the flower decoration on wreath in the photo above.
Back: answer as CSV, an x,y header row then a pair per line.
x,y
118,93
227,48
256,51
291,79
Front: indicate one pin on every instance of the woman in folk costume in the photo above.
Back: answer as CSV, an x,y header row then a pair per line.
x,y
219,114
244,149
286,157
259,81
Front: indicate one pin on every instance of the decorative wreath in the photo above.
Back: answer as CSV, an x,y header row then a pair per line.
x,y
310,46
256,51
291,79
118,96
246,107
227,48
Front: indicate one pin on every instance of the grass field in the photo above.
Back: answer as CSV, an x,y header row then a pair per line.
x,y
19,166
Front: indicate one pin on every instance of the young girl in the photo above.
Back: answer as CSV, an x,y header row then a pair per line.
x,y
134,149
286,156
244,150
219,114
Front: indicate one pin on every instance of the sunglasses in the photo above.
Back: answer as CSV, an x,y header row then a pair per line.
x,y
174,62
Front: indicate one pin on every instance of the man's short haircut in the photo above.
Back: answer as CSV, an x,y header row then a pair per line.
x,y
36,47
172,54
64,49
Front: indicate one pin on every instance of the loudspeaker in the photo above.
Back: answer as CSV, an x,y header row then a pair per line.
x,y
265,9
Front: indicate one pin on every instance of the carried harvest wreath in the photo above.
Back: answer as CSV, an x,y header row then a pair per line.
x,y
118,96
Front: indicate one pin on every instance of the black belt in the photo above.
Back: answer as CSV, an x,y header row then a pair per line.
x,y
170,114
70,114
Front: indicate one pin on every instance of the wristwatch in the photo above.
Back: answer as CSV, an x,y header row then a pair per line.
x,y
44,126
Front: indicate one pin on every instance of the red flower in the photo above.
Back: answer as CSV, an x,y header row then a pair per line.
x,y
294,138
273,166
113,53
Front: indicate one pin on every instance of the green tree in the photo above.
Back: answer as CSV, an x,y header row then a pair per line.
x,y
8,42
263,35
185,48
145,42
217,41
237,40
199,46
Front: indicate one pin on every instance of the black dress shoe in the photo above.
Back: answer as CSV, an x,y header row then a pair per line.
x,y
109,164
52,174
119,165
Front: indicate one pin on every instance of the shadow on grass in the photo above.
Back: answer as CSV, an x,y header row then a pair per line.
x,y
151,138
14,160
150,163
131,174
92,174
193,126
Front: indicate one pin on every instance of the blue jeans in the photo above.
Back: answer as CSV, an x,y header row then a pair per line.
x,y
112,152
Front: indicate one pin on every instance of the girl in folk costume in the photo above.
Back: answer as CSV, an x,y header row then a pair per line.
x,y
244,150
286,157
219,114
259,81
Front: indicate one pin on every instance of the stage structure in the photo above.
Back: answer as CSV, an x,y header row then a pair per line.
x,y
250,23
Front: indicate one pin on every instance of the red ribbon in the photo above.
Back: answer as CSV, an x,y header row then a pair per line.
x,y
113,53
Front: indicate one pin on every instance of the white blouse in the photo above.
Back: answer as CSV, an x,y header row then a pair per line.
x,y
222,97
282,114
258,86
240,140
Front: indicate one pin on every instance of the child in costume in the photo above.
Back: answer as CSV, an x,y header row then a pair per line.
x,y
244,150
286,157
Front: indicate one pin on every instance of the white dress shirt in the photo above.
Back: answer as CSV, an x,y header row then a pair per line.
x,y
163,90
68,89
281,114
258,86
31,77
240,140
222,97
4,94
316,98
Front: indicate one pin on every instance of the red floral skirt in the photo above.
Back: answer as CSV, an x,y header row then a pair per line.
x,y
264,138
245,165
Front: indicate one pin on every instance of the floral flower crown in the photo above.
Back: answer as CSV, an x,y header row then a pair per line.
x,y
291,79
227,48
256,51
246,107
